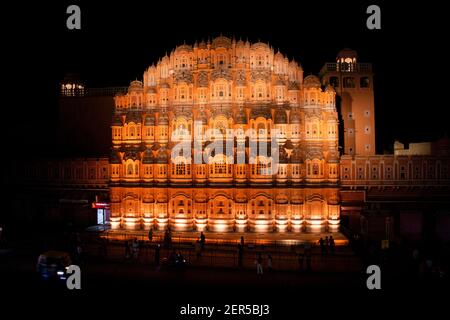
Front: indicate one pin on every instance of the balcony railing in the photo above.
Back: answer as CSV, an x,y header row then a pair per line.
x,y
93,92
358,67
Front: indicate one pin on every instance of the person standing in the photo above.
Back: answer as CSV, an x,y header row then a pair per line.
x,y
198,249
322,246
331,243
259,267
135,249
127,250
269,262
202,240
150,235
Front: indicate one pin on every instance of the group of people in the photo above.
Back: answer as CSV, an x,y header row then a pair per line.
x,y
168,238
326,245
132,249
167,241
176,260
259,263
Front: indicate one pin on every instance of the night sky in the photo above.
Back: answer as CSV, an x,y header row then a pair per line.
x,y
118,41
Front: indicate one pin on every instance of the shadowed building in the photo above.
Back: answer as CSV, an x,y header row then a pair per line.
x,y
84,118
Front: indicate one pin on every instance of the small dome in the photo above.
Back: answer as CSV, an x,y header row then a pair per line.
x,y
297,156
283,156
135,86
311,82
261,45
149,120
295,117
278,56
148,157
117,121
133,117
132,154
165,59
163,119
280,117
288,145
184,47
221,41
279,82
156,146
162,156
260,112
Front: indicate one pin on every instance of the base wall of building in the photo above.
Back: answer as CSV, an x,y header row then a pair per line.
x,y
226,210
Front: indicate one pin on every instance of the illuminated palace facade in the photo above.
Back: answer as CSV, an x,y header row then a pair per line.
x,y
230,136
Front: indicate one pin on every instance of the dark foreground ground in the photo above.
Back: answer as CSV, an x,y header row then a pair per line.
x,y
113,286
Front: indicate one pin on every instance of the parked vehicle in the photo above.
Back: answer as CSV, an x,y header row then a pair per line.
x,y
52,265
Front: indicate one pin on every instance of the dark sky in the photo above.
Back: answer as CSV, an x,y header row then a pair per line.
x,y
118,40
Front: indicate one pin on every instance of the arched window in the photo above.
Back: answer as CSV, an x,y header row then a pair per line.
x,y
261,128
314,130
334,81
130,169
182,93
349,82
315,168
259,91
364,82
